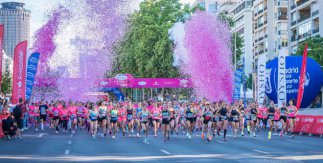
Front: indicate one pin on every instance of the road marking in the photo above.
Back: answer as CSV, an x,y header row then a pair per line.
x,y
41,135
146,142
293,141
67,152
69,142
221,142
165,152
263,152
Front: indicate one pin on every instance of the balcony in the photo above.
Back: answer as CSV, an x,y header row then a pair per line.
x,y
282,17
293,7
300,2
282,3
261,38
302,19
260,11
316,30
261,52
294,23
294,37
260,25
315,13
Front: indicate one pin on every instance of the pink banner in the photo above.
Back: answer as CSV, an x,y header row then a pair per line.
x,y
19,72
146,83
1,48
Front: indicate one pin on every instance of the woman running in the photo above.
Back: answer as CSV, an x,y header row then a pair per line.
x,y
130,120
36,116
72,110
207,122
56,117
114,121
103,111
137,112
172,117
144,114
283,118
242,116
80,113
253,119
190,114
235,114
155,118
166,114
292,115
215,119
93,117
63,114
223,112
122,117
271,114
43,114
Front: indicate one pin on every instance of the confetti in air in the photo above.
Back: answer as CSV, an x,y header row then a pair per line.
x,y
209,65
76,46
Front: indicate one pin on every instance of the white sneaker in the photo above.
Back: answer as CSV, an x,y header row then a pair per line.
x,y
254,134
189,136
138,135
132,131
36,129
56,132
113,137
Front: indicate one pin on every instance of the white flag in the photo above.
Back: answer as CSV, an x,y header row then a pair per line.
x,y
261,79
281,89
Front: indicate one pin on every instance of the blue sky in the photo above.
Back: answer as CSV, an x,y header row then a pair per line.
x,y
40,8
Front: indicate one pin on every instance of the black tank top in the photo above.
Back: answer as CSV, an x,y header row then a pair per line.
x,y
271,110
223,111
234,112
253,111
129,111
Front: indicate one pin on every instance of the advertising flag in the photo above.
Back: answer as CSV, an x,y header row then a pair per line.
x,y
31,73
302,79
19,72
261,79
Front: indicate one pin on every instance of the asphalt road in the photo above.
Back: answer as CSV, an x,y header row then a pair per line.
x,y
80,147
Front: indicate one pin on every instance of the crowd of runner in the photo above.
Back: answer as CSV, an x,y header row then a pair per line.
x,y
143,118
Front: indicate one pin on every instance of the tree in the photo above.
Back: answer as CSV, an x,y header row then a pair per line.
x,y
315,48
6,82
146,50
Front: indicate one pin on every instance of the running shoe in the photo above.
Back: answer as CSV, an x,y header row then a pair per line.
x,y
36,129
254,134
56,132
202,136
113,137
138,135
242,134
189,136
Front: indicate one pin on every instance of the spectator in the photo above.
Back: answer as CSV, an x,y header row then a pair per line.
x,y
8,126
18,113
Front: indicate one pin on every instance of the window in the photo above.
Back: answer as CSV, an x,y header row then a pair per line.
x,y
212,7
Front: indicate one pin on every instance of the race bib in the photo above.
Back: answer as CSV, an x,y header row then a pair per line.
x,y
190,115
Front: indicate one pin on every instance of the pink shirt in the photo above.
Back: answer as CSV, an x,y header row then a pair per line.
x,y
63,114
56,111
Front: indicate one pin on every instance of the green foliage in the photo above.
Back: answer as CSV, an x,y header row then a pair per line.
x,y
315,49
6,82
146,50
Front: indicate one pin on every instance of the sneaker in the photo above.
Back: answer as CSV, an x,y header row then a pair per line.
x,y
104,135
36,129
132,131
202,136
242,134
207,140
254,134
93,136
189,136
138,135
113,137
269,136
56,132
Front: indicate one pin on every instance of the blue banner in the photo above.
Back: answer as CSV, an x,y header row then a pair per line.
x,y
237,83
31,73
313,82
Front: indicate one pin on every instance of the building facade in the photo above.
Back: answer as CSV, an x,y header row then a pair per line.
x,y
270,28
243,16
16,20
210,6
306,20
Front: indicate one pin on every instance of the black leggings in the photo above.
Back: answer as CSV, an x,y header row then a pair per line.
x,y
64,122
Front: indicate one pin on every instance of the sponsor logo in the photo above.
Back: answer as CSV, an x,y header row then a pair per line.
x,y
121,77
142,83
33,59
104,83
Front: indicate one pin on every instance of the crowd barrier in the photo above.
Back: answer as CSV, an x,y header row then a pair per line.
x,y
309,121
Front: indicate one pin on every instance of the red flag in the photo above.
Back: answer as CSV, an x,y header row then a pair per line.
x,y
19,72
302,79
1,49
